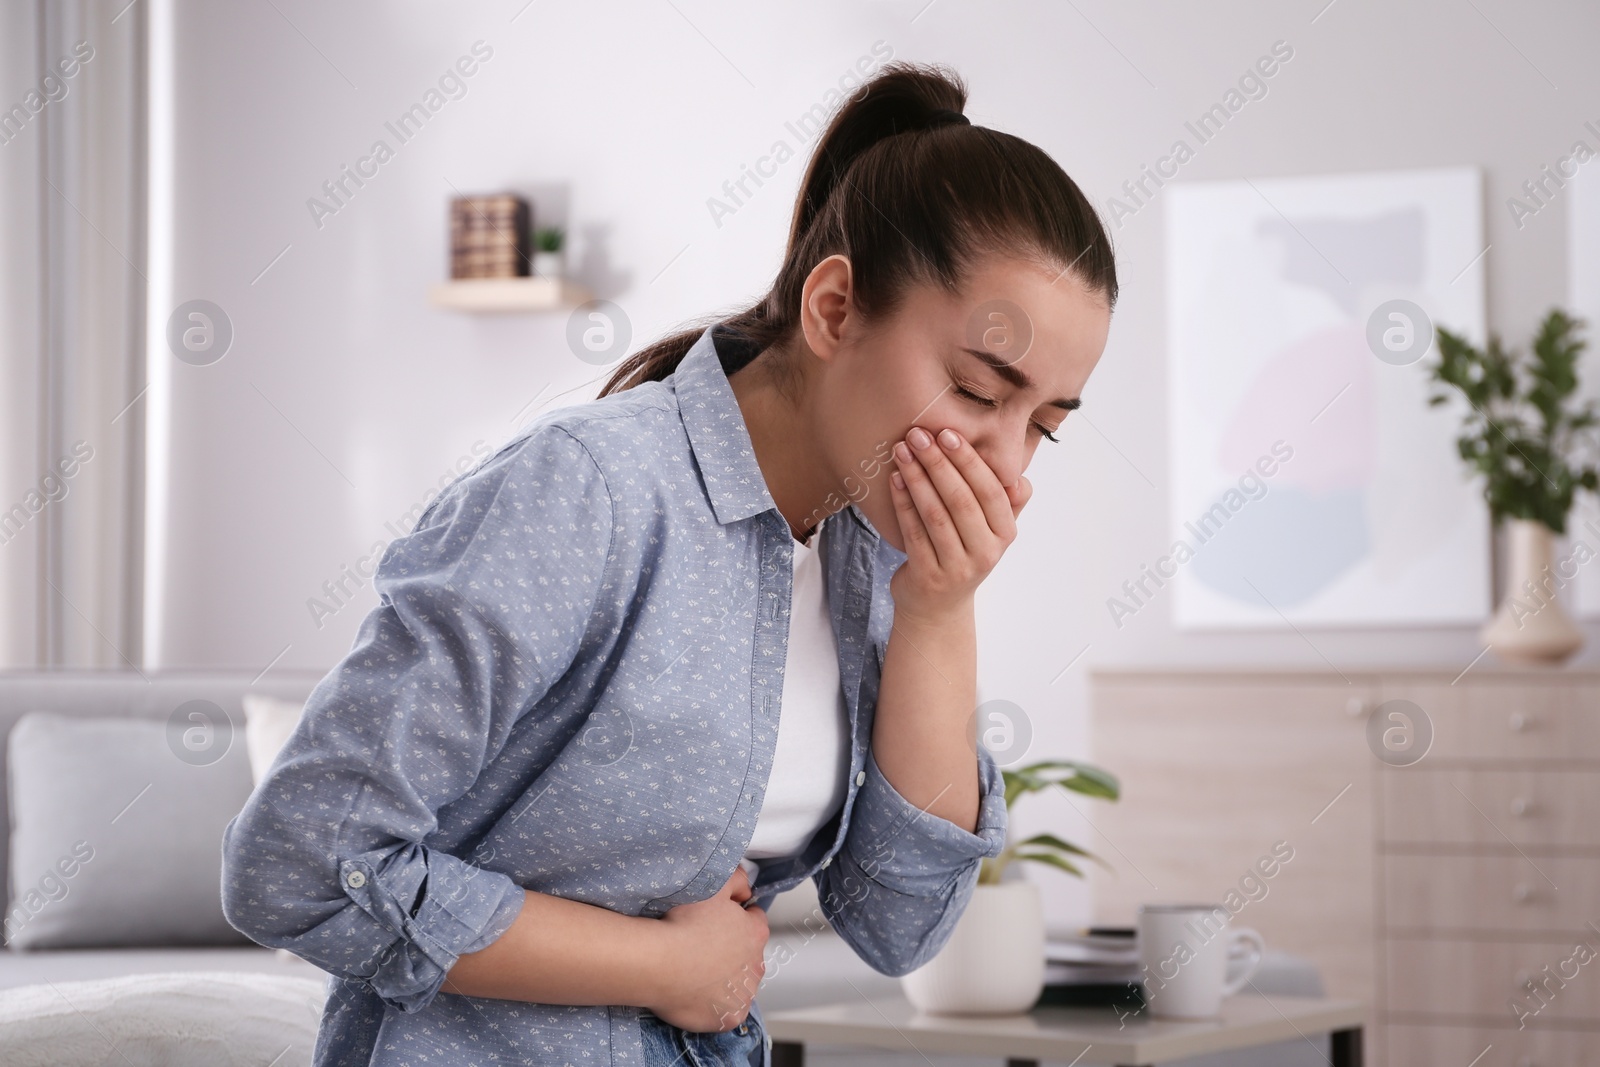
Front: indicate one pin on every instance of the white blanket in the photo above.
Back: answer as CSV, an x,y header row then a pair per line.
x,y
164,1019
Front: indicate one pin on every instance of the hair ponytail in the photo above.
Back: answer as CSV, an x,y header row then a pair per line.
x,y
910,197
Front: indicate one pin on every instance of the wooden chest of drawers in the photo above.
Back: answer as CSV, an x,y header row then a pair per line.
x,y
1445,892
1489,873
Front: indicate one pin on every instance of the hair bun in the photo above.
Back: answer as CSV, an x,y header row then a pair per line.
x,y
944,116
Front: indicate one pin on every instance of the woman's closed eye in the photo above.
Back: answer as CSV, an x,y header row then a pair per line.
x,y
990,402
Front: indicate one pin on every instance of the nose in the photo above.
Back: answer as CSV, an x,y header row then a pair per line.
x,y
1004,449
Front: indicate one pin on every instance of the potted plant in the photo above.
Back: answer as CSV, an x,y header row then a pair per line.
x,y
547,241
993,963
1523,438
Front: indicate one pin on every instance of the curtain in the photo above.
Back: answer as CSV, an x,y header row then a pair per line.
x,y
72,327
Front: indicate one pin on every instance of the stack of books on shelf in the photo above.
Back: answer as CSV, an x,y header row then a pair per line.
x,y
489,236
1098,965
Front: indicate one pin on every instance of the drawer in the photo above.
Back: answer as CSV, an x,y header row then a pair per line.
x,y
1489,807
1461,1046
1491,893
1486,978
1496,720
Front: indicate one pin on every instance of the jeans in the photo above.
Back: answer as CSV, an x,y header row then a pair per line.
x,y
666,1045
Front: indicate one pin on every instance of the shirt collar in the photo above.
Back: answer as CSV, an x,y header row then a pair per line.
x,y
861,517
718,435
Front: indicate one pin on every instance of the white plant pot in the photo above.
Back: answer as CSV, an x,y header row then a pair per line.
x,y
993,963
548,264
1530,627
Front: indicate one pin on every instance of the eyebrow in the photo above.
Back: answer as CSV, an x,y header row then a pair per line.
x,y
1015,377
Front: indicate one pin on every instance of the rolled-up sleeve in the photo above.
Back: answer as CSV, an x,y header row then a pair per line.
x,y
902,876
482,607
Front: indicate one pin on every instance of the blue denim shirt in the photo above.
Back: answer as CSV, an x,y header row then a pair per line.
x,y
571,684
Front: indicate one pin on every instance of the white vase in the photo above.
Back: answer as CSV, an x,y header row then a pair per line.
x,y
1530,627
993,963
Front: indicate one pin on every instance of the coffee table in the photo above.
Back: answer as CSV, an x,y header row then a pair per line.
x,y
1068,1035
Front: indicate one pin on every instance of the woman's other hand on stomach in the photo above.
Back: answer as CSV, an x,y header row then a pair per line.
x,y
713,963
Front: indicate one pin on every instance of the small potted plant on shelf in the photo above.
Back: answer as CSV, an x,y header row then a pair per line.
x,y
547,258
1523,438
993,963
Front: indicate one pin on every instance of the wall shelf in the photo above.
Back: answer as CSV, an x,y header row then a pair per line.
x,y
507,294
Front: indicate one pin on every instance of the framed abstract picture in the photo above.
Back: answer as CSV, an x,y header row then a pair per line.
x,y
1312,484
1582,195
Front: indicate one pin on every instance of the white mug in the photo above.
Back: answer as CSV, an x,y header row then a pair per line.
x,y
1184,950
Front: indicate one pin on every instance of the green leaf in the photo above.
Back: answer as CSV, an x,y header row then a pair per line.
x,y
1083,778
1050,841
1054,842
1095,783
1052,859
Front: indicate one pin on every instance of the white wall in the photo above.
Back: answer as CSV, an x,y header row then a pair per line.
x,y
345,396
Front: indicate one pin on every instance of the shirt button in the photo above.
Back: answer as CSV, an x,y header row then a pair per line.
x,y
355,879
861,777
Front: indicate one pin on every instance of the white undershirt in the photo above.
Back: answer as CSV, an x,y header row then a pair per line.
x,y
811,762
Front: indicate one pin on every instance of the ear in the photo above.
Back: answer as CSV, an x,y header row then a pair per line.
x,y
827,308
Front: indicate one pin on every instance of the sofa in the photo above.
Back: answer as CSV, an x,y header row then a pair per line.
x,y
65,951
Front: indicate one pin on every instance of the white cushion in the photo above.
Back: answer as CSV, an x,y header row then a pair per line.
x,y
116,829
167,1019
268,722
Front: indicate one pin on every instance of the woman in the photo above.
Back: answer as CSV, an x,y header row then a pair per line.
x,y
537,812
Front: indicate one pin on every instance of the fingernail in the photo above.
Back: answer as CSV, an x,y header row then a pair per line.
x,y
901,452
948,438
919,437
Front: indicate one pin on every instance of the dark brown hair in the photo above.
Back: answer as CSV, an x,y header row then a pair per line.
x,y
910,198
